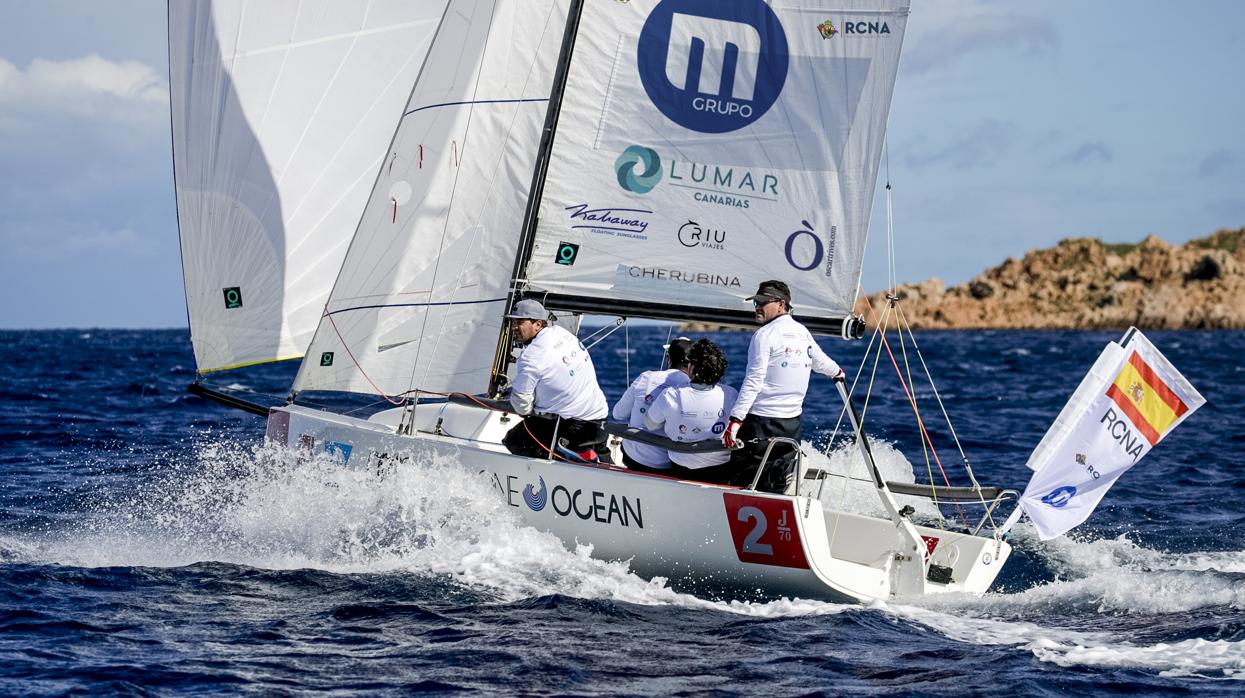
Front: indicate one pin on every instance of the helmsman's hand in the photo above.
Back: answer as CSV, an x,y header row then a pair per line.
x,y
730,437
840,376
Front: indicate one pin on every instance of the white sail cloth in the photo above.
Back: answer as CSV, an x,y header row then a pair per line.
x,y
281,112
419,299
1132,398
704,146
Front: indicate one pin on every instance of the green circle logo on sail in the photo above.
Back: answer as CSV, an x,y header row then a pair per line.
x,y
638,169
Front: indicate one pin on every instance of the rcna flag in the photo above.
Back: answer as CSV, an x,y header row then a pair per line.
x,y
1133,408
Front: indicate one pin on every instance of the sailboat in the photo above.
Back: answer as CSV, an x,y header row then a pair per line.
x,y
631,158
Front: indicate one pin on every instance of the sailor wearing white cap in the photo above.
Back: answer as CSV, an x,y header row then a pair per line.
x,y
554,378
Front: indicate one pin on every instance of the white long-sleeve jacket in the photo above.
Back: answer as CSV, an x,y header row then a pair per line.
x,y
781,357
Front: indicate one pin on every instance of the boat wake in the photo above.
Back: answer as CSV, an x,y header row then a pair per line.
x,y
273,508
1109,597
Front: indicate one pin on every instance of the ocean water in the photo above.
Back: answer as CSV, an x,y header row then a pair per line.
x,y
150,544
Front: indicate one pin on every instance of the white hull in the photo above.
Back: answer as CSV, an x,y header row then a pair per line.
x,y
706,538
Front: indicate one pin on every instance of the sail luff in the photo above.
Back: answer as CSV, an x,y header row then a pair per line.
x,y
379,170
419,299
528,233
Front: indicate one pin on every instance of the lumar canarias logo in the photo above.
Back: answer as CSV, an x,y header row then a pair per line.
x,y
712,66
826,29
638,169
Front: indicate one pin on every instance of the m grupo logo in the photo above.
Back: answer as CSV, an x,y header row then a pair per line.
x,y
713,66
638,169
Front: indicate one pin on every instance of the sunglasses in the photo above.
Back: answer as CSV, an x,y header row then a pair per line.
x,y
762,304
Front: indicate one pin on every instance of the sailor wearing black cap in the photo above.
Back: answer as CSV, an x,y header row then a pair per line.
x,y
781,356
637,399
554,378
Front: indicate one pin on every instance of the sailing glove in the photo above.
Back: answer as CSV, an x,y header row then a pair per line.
x,y
730,436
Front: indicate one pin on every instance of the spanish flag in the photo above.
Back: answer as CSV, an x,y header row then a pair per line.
x,y
1142,395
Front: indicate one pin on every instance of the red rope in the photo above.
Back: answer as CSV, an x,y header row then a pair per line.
x,y
349,353
911,399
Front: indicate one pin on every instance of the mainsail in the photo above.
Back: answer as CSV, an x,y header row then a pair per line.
x,y
705,146
419,298
699,148
280,114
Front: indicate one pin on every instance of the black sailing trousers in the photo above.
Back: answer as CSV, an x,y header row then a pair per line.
x,y
756,432
533,437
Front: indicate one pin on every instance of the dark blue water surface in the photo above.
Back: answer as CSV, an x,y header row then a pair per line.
x,y
150,544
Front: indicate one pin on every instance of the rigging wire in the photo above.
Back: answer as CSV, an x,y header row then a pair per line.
x,y
890,220
627,352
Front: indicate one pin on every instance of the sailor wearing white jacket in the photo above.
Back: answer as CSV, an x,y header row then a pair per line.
x,y
554,378
639,397
781,357
697,412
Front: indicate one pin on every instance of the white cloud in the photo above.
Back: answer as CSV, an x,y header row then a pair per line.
x,y
941,36
59,240
91,87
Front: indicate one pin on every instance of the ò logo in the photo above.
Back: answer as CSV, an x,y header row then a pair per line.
x,y
233,297
805,250
326,358
567,252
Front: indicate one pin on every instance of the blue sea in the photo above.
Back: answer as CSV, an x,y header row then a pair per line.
x,y
150,544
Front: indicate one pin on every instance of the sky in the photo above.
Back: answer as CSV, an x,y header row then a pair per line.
x,y
1014,125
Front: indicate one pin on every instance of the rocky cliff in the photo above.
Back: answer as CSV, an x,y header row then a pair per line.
x,y
1084,283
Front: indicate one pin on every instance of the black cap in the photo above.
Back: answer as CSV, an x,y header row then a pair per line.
x,y
772,290
678,350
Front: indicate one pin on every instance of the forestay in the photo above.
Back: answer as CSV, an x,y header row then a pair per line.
x,y
705,146
419,299
280,114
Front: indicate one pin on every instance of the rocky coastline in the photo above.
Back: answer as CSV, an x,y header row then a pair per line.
x,y
1084,283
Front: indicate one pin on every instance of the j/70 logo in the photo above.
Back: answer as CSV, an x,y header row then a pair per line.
x,y
713,66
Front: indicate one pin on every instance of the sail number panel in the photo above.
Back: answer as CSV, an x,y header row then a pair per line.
x,y
764,530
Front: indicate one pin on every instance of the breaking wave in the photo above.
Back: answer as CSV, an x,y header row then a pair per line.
x,y
272,508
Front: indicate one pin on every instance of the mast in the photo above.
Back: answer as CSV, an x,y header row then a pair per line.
x,y
527,236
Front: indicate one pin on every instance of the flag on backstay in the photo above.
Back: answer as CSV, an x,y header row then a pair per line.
x,y
1132,398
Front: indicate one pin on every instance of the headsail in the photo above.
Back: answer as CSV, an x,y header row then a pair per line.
x,y
280,113
419,299
705,146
